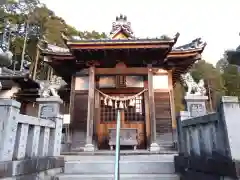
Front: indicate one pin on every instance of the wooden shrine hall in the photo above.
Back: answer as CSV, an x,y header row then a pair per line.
x,y
122,71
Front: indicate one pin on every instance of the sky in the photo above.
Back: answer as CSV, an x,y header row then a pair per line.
x,y
216,22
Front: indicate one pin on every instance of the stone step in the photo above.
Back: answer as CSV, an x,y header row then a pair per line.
x,y
111,157
126,167
122,177
78,152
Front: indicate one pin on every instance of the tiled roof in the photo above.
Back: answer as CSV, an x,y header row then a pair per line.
x,y
161,38
8,72
55,48
195,44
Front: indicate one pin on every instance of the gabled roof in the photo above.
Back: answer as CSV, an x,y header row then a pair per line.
x,y
5,72
8,77
50,49
133,51
193,48
194,44
127,43
121,35
54,48
121,25
183,57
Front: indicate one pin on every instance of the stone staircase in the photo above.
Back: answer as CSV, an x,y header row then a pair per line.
x,y
164,129
134,167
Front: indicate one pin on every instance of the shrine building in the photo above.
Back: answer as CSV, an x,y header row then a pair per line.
x,y
135,75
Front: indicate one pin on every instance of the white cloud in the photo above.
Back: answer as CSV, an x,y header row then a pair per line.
x,y
215,21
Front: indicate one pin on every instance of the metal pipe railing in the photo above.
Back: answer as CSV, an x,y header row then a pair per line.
x,y
117,149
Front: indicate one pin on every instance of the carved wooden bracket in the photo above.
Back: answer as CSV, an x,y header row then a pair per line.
x,y
92,63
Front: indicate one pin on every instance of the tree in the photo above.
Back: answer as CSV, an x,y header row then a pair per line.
x,y
92,35
212,77
231,77
222,63
178,97
16,14
37,21
51,27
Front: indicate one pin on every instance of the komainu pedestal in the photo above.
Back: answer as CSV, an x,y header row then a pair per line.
x,y
196,104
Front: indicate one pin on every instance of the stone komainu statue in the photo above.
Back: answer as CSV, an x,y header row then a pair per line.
x,y
50,88
193,87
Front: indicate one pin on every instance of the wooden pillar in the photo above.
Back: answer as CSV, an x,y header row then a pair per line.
x,y
90,117
154,146
147,118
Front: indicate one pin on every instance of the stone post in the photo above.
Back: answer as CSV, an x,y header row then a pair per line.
x,y
9,109
185,115
231,114
196,104
49,108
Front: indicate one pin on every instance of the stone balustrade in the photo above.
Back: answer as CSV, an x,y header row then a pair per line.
x,y
30,146
202,136
209,144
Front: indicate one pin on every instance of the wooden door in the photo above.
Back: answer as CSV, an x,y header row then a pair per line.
x,y
130,117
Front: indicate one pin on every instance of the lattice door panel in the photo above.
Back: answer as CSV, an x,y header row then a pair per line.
x,y
108,113
135,113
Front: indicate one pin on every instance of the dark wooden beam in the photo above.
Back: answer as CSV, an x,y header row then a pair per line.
x,y
30,90
116,71
12,77
121,90
141,71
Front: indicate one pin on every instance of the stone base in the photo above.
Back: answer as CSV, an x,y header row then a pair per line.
x,y
154,147
89,148
196,105
51,99
193,97
185,115
49,107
